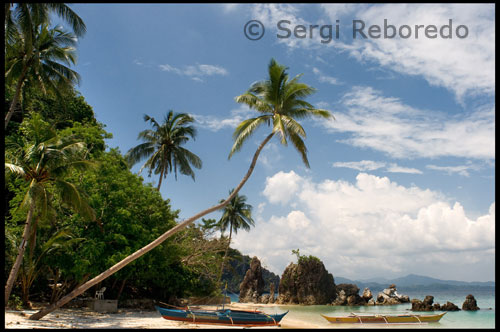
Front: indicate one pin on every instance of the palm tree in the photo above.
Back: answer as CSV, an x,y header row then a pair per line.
x,y
26,15
41,59
237,214
163,146
279,101
43,160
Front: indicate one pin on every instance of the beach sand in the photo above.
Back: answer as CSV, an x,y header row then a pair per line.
x,y
83,318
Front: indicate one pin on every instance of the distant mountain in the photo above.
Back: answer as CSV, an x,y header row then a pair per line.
x,y
413,281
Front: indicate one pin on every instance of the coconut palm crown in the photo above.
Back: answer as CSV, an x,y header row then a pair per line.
x,y
163,146
280,102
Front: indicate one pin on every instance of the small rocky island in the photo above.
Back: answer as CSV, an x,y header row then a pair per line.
x,y
309,283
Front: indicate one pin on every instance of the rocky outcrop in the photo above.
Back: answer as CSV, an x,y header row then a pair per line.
x,y
470,303
449,307
428,305
307,282
390,296
425,305
367,294
252,287
348,294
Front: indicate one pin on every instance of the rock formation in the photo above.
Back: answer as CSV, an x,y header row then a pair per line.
x,y
428,305
367,294
470,303
449,307
307,282
348,294
390,296
252,286
425,305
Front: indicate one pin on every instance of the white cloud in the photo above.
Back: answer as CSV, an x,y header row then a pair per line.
x,y
195,72
460,169
394,168
460,65
325,78
371,227
215,123
463,66
363,165
281,187
401,131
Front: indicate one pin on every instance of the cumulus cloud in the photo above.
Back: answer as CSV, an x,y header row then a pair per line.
x,y
281,187
371,227
387,124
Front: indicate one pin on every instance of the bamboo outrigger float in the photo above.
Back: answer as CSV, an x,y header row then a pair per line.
x,y
381,318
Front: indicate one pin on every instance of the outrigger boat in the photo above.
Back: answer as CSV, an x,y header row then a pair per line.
x,y
354,318
223,316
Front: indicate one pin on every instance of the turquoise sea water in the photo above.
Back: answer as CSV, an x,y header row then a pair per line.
x,y
483,318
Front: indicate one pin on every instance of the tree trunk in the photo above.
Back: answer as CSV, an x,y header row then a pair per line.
x,y
161,178
16,96
225,253
152,245
17,264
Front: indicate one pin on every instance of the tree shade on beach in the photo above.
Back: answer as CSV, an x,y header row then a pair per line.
x,y
279,101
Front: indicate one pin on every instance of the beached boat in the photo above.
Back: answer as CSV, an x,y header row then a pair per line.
x,y
222,316
405,318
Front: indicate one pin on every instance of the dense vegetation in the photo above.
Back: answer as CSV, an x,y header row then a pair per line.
x,y
66,248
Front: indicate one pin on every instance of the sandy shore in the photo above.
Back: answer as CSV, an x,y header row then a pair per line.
x,y
84,318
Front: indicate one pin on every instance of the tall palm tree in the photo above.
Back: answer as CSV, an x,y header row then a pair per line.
x,y
43,159
163,146
279,101
42,60
237,214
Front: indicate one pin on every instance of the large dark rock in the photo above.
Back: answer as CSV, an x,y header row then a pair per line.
x,y
470,303
307,282
348,294
425,305
449,307
252,287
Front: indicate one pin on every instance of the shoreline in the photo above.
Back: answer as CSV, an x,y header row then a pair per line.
x,y
83,318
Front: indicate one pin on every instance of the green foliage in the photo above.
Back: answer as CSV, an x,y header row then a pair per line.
x,y
279,103
302,259
163,146
63,111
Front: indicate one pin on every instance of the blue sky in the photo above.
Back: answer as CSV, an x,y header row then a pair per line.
x,y
402,182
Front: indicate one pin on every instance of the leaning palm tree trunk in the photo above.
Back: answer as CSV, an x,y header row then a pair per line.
x,y
17,264
152,245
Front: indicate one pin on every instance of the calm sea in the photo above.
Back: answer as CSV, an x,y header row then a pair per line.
x,y
483,318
